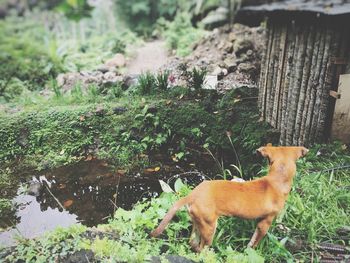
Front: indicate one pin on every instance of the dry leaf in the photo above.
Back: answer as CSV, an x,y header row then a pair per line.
x,y
62,152
89,157
181,96
156,169
168,102
68,203
82,118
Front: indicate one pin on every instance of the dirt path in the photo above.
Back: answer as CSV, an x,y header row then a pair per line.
x,y
149,57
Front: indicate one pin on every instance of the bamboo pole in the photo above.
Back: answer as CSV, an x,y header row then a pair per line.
x,y
288,75
315,83
295,85
320,87
269,74
264,70
273,74
309,86
303,85
279,74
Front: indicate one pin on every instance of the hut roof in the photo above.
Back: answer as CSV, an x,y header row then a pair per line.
x,y
255,14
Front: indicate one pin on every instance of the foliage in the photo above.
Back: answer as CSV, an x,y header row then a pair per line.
x,y
181,35
24,63
318,205
50,248
149,84
75,9
141,15
197,77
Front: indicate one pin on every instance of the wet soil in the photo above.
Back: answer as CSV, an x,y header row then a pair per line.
x,y
89,192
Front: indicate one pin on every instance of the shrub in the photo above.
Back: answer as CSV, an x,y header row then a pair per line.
x,y
181,35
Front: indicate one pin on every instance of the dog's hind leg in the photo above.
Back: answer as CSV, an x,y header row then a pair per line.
x,y
207,231
195,237
260,231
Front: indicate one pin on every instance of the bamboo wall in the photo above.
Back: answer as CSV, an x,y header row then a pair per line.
x,y
297,72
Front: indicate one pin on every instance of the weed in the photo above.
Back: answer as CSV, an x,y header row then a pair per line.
x,y
146,83
197,77
162,80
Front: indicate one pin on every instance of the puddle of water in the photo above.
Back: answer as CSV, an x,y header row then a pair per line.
x,y
89,192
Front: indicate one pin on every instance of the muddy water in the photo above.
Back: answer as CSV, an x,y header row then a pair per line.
x,y
87,192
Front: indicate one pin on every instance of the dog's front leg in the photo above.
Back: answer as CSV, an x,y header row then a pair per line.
x,y
260,231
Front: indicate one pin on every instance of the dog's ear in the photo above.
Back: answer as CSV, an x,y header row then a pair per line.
x,y
302,151
262,151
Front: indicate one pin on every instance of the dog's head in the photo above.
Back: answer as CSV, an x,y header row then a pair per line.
x,y
282,152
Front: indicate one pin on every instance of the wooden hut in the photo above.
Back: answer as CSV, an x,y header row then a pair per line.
x,y
307,51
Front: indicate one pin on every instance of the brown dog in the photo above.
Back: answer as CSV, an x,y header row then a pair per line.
x,y
259,199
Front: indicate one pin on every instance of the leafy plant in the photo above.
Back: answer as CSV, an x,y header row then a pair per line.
x,y
146,83
197,78
162,80
181,35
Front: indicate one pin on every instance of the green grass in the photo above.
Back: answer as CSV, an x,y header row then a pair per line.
x,y
317,206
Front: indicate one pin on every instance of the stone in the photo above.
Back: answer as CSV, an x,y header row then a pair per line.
x,y
224,71
60,79
119,110
249,52
228,47
247,67
210,82
103,68
171,259
35,188
232,37
230,64
242,45
117,61
216,71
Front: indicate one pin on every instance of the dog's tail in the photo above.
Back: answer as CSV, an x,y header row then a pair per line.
x,y
169,215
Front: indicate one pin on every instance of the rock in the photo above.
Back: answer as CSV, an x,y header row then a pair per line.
x,y
249,52
116,62
224,72
232,37
210,82
216,71
230,64
35,188
111,77
103,68
242,45
247,68
119,110
228,47
60,79
172,259
100,111
129,80
83,255
152,109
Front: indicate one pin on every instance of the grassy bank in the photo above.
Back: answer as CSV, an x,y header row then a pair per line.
x,y
317,207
